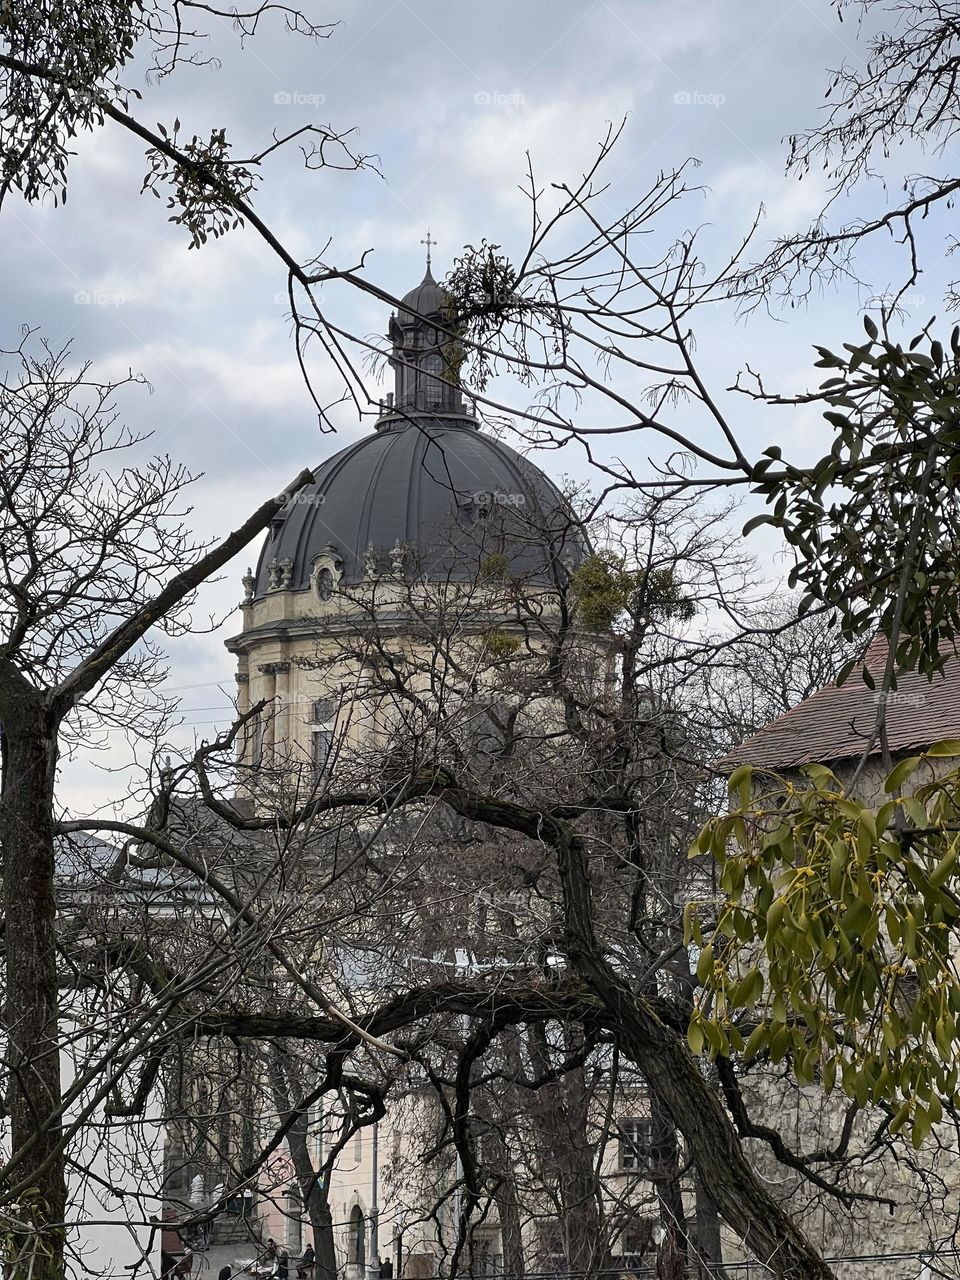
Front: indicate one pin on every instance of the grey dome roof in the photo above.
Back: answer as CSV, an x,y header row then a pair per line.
x,y
449,493
426,299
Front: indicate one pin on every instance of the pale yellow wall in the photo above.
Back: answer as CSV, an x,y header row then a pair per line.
x,y
290,671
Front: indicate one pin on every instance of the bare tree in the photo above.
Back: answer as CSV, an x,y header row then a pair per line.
x,y
543,727
771,662
613,744
566,322
91,562
899,94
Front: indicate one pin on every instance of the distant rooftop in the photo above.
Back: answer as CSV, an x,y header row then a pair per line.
x,y
835,723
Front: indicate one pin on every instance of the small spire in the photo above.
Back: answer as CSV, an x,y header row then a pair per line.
x,y
429,242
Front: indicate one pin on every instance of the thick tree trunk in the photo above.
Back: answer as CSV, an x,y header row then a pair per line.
x,y
37,1167
661,1054
588,1241
665,1175
709,1245
313,1191
507,1201
675,1077
563,1118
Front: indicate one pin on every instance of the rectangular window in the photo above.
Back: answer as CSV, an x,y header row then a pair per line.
x,y
324,710
294,1222
322,727
316,1127
487,1262
552,1258
434,387
636,1137
322,747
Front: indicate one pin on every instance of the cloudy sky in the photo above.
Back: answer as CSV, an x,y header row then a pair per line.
x,y
450,97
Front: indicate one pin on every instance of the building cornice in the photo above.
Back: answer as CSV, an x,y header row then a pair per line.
x,y
405,624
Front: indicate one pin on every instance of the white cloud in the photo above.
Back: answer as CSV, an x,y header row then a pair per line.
x,y
789,205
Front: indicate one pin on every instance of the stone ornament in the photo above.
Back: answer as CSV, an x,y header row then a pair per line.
x,y
326,573
371,563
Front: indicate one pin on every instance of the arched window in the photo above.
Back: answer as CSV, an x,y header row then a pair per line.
x,y
434,386
324,581
356,1250
324,710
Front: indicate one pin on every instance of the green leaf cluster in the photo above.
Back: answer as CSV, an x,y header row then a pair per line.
x,y
494,567
205,188
604,589
834,948
500,643
874,523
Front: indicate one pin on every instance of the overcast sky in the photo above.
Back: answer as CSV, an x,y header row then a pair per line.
x,y
450,96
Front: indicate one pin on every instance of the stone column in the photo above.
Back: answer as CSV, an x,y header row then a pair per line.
x,y
269,692
243,692
245,739
277,690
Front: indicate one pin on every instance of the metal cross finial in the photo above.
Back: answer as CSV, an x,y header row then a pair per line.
x,y
428,242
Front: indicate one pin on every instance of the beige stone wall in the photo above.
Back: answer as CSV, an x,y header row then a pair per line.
x,y
407,1187
923,1187
295,648
402,1188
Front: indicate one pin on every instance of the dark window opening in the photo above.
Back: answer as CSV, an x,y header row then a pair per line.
x,y
356,1244
636,1139
322,747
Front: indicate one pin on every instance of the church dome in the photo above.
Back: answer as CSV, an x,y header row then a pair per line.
x,y
438,489
426,299
427,494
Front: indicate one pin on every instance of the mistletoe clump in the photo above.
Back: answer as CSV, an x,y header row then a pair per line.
x,y
604,590
206,186
833,948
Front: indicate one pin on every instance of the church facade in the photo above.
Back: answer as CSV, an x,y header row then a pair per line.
x,y
419,506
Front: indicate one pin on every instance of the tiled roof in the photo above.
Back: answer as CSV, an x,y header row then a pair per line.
x,y
834,723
